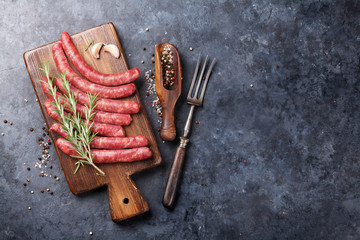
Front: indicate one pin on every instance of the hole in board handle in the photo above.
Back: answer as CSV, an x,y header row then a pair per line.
x,y
126,201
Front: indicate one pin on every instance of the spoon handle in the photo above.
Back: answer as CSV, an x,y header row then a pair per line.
x,y
168,130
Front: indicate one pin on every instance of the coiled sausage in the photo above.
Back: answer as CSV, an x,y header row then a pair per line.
x,y
84,85
97,77
100,116
107,105
108,142
108,156
103,129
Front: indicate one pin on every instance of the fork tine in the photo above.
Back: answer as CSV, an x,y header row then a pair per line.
x,y
200,78
194,78
206,80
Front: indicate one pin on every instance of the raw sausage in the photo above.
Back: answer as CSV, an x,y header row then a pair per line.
x,y
107,105
108,142
84,85
108,156
103,129
100,116
104,79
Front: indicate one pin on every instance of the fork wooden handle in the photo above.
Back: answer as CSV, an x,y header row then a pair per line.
x,y
168,130
174,175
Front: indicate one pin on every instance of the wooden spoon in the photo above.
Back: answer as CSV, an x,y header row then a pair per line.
x,y
167,93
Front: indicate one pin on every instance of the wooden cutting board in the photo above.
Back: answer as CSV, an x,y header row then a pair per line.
x,y
125,199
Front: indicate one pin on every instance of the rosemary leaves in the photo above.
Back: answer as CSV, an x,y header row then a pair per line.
x,y
78,129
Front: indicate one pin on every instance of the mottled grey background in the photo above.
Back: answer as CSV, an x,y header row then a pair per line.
x,y
279,160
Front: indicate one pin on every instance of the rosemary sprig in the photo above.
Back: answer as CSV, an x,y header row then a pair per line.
x,y
91,42
78,130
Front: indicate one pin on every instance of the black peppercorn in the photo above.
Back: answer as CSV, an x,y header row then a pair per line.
x,y
42,190
24,184
28,168
5,121
31,129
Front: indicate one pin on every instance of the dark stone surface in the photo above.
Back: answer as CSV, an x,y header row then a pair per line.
x,y
279,160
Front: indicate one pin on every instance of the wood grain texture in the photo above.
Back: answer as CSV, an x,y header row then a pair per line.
x,y
125,200
168,97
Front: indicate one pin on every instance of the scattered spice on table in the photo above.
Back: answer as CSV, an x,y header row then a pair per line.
x,y
144,48
2,134
152,98
11,123
31,129
91,233
28,168
142,61
190,48
277,66
251,85
146,29
197,122
42,190
29,208
25,100
28,180
5,121
51,192
32,192
24,184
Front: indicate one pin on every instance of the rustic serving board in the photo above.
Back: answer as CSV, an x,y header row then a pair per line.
x,y
125,199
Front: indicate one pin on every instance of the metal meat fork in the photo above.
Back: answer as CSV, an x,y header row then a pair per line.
x,y
174,175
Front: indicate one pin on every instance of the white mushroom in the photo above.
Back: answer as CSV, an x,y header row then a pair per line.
x,y
95,50
112,49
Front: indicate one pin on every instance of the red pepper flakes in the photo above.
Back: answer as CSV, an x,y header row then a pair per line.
x,y
48,139
244,161
197,122
229,170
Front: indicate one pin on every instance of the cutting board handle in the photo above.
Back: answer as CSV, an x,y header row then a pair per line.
x,y
125,199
